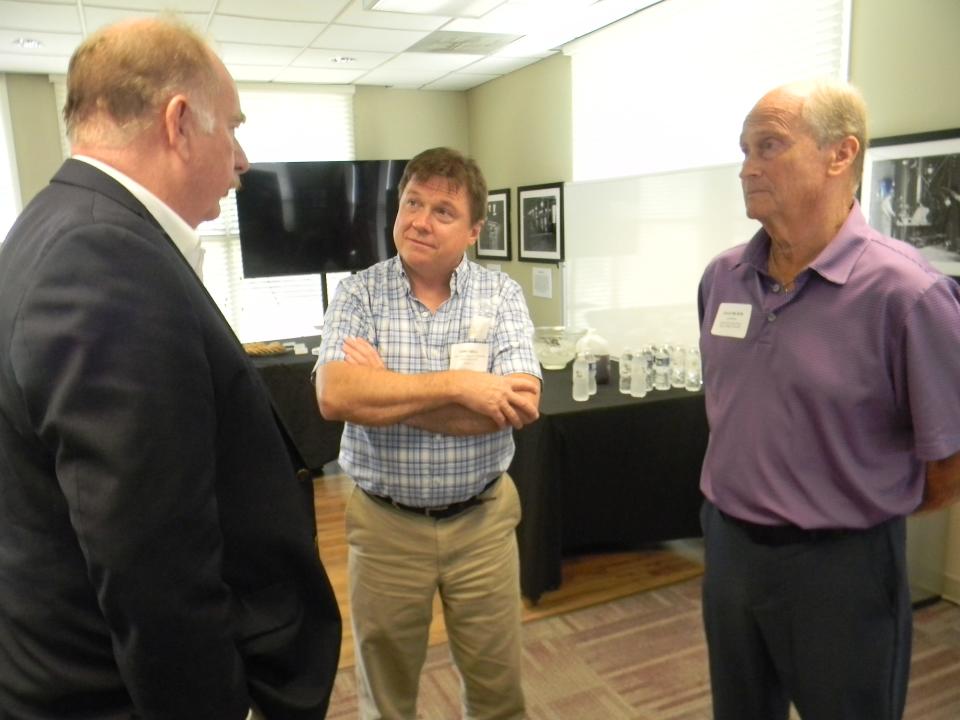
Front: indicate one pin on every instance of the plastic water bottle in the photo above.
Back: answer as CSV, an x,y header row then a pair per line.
x,y
694,373
661,368
592,377
581,378
600,349
647,352
626,361
677,366
638,376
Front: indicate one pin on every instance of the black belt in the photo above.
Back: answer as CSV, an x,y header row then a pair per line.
x,y
787,534
438,512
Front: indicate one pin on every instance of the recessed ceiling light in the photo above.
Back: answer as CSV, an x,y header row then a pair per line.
x,y
28,43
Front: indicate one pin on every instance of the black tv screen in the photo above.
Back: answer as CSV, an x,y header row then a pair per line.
x,y
316,217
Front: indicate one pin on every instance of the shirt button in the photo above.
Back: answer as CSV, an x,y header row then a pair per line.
x,y
775,287
771,317
425,314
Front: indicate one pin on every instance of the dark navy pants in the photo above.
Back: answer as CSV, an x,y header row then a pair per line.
x,y
823,621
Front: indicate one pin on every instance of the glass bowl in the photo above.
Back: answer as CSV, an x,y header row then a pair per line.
x,y
556,345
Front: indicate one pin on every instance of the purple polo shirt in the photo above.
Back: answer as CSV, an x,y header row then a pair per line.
x,y
825,412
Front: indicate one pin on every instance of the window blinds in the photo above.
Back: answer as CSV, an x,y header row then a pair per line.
x,y
685,72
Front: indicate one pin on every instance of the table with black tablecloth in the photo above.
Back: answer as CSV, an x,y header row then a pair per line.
x,y
612,472
609,473
287,378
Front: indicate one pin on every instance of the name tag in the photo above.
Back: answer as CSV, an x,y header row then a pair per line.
x,y
732,320
469,356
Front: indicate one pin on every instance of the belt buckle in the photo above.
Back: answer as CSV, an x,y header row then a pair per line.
x,y
429,511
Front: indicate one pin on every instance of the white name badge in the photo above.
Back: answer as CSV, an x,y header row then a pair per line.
x,y
469,356
732,320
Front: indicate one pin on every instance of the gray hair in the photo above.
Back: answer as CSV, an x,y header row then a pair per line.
x,y
833,110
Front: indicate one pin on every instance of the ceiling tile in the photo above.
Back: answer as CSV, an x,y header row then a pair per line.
x,y
229,28
350,37
322,11
56,64
317,58
459,81
438,62
266,55
501,64
318,75
399,78
253,73
37,16
508,18
97,17
356,15
155,6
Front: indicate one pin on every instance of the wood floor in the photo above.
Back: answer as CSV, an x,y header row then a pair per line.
x,y
587,580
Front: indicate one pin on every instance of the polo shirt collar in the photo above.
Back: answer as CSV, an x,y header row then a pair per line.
x,y
837,260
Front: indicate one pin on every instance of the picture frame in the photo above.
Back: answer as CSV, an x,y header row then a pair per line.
x,y
540,222
911,191
494,240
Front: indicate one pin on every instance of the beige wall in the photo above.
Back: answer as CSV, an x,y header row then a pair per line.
x,y
520,134
36,134
392,124
904,57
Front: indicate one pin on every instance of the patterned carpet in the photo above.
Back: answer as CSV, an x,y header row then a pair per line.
x,y
643,657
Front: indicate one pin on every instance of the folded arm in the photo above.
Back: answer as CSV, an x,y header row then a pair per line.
x,y
942,487
360,389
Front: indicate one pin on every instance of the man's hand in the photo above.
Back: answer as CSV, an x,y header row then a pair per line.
x,y
942,487
506,400
359,352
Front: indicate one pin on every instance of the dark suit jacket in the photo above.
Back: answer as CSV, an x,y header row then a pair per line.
x,y
157,558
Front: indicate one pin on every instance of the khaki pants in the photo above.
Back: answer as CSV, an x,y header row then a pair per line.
x,y
397,561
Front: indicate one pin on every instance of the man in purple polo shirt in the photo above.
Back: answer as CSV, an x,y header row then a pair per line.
x,y
832,379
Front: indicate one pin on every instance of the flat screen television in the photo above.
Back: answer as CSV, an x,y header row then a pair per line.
x,y
298,218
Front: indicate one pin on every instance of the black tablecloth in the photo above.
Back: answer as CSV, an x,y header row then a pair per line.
x,y
612,472
288,380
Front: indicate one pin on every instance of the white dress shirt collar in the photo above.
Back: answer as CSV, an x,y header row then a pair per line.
x,y
184,237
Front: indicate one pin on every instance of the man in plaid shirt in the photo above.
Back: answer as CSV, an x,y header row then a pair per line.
x,y
428,358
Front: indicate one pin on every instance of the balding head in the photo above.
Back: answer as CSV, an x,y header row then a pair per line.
x,y
831,110
121,76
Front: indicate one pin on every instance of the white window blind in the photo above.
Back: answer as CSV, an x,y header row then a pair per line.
x,y
668,87
283,123
658,103
9,182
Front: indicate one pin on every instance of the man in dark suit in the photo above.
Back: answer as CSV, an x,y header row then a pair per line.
x,y
157,558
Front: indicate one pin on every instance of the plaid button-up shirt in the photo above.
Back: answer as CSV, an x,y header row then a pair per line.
x,y
414,466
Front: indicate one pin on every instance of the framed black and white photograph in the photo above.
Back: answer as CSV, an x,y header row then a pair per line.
x,y
540,222
911,191
494,240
